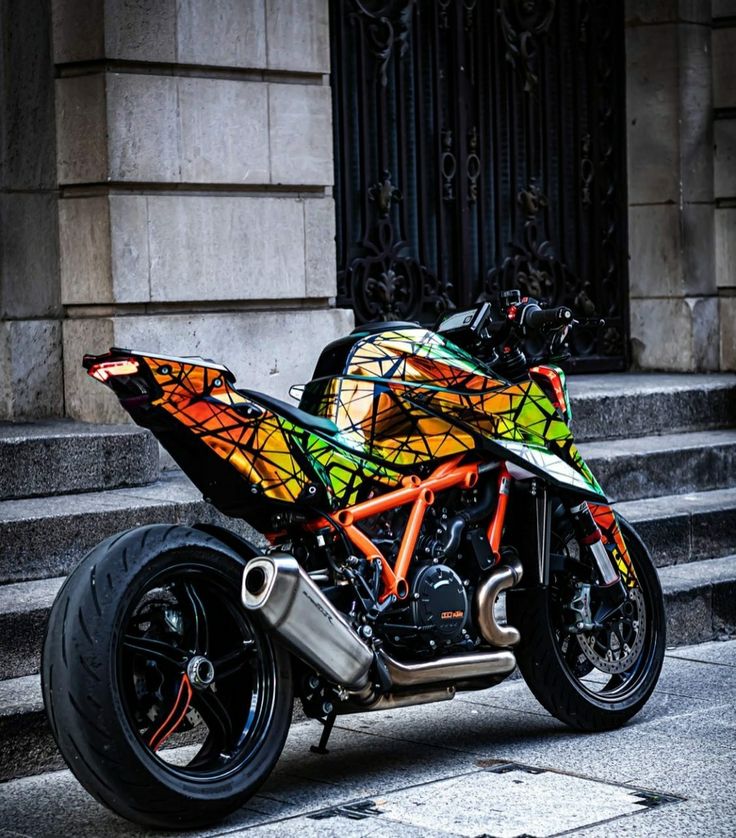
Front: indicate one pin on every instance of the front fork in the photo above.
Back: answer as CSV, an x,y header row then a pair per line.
x,y
612,593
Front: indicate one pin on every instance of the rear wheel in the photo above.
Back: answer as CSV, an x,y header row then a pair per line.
x,y
167,701
590,677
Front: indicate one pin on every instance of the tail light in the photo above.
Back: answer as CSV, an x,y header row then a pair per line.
x,y
106,370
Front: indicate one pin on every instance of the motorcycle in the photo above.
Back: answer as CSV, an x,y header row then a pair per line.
x,y
427,479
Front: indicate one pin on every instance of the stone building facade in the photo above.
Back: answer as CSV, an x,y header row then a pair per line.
x,y
167,177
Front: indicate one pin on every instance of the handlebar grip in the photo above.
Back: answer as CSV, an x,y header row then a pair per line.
x,y
538,318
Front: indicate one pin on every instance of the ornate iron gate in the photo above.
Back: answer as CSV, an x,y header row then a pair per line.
x,y
479,145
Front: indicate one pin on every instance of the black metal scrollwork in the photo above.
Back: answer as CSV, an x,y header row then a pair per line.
x,y
522,22
533,266
478,146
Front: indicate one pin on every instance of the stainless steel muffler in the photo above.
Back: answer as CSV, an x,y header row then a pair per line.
x,y
299,613
500,579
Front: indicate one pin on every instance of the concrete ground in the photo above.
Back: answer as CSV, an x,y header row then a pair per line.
x,y
488,764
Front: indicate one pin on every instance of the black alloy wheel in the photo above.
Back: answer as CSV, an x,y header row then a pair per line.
x,y
590,678
170,704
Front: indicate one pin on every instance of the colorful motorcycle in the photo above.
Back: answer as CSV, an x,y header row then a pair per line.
x,y
427,479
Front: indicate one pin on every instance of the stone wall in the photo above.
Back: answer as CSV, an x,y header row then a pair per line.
x,y
30,304
166,183
724,101
682,182
673,292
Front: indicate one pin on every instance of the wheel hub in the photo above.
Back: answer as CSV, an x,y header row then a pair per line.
x,y
613,648
201,672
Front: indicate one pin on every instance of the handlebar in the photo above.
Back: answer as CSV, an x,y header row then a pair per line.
x,y
535,317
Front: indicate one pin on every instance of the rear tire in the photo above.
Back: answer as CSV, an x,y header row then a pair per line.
x,y
562,678
147,647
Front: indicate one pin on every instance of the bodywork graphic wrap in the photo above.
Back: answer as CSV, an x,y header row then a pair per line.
x,y
270,452
411,396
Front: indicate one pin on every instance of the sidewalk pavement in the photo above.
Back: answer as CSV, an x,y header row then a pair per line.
x,y
491,764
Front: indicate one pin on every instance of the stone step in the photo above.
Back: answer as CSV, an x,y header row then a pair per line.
x,y
700,600
639,404
45,537
677,529
61,456
671,464
685,528
28,746
24,609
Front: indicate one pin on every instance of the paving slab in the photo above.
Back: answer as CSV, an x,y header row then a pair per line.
x,y
462,768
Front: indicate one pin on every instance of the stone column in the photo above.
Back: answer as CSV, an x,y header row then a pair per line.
x,y
30,331
724,101
195,163
673,291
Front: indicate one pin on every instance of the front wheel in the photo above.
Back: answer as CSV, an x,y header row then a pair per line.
x,y
596,678
169,704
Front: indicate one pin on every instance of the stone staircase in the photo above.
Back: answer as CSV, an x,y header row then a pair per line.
x,y
662,446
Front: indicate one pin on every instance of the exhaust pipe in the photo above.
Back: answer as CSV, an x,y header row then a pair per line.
x,y
503,577
465,667
299,613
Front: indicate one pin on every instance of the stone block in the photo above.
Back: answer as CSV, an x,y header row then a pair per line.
x,y
321,259
667,11
29,257
724,8
225,247
224,131
84,251
186,247
78,30
143,128
30,369
27,142
131,30
671,250
227,33
139,30
679,334
267,350
298,35
81,129
728,332
725,158
725,250
300,119
724,67
164,129
668,113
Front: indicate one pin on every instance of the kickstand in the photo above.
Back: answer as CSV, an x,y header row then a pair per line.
x,y
328,723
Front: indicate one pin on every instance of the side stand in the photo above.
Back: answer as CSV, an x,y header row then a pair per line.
x,y
328,724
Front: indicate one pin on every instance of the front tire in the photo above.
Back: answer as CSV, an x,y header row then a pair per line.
x,y
168,703
565,680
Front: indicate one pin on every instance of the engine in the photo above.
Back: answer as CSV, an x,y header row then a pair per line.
x,y
439,604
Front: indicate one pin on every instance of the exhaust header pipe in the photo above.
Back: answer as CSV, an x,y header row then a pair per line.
x,y
500,579
299,613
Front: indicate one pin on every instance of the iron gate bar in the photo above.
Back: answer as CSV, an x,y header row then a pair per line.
x,y
481,145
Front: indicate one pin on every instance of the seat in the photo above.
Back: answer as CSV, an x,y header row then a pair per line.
x,y
318,424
